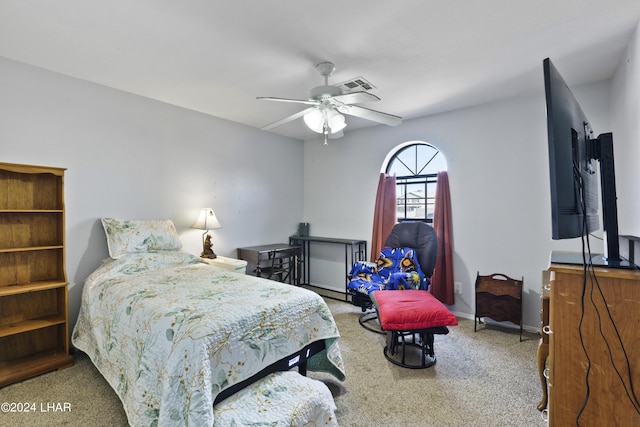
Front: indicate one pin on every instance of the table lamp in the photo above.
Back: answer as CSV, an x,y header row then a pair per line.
x,y
207,221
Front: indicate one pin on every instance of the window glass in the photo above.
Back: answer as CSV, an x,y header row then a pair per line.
x,y
416,166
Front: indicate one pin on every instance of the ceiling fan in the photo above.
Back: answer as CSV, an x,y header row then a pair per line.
x,y
326,105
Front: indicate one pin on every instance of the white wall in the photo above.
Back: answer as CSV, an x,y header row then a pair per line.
x,y
625,117
130,157
498,173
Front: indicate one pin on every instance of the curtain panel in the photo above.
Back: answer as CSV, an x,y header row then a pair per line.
x,y
442,286
384,216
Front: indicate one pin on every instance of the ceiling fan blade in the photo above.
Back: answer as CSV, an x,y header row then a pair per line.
x,y
356,97
365,113
295,101
288,119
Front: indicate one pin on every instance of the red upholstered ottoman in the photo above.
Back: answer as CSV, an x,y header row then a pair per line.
x,y
411,318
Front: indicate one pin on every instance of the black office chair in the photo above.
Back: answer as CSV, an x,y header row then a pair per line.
x,y
282,267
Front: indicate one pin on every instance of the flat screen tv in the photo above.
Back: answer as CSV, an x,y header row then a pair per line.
x,y
574,157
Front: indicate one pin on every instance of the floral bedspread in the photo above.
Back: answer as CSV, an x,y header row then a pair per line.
x,y
169,332
282,399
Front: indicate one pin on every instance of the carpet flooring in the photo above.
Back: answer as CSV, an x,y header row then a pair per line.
x,y
486,378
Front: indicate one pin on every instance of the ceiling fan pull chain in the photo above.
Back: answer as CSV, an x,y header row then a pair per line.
x,y
326,133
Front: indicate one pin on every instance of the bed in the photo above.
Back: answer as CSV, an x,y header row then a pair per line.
x,y
172,334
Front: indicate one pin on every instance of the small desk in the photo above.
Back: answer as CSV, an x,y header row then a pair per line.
x,y
354,250
264,255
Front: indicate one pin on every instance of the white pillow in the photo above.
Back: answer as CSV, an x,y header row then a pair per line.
x,y
131,236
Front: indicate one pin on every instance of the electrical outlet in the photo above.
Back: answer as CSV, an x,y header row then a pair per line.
x,y
457,287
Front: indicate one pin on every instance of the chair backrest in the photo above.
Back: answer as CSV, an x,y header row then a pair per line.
x,y
419,236
281,265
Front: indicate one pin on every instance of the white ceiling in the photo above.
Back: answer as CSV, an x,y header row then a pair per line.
x,y
216,57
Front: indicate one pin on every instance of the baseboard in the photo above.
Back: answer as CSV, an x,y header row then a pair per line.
x,y
488,321
326,292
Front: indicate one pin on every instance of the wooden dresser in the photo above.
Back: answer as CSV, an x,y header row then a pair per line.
x,y
543,345
34,335
595,343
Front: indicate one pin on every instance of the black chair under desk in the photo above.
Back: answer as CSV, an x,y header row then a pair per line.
x,y
278,261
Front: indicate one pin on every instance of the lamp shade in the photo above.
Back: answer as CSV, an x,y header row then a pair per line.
x,y
207,220
336,121
318,118
314,120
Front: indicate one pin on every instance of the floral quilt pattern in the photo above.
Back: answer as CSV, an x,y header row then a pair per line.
x,y
169,332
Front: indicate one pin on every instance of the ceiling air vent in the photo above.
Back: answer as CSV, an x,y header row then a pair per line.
x,y
356,84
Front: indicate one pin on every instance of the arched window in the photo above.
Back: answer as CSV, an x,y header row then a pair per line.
x,y
416,166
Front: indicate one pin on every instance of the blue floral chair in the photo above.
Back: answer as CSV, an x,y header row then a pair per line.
x,y
395,269
406,262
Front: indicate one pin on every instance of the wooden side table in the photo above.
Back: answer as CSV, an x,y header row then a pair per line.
x,y
500,298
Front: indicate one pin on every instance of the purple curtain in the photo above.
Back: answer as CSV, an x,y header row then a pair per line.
x,y
442,286
384,216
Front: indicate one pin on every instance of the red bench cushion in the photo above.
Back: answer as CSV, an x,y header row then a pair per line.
x,y
411,310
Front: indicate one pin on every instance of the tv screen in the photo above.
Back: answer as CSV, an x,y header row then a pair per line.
x,y
574,183
574,157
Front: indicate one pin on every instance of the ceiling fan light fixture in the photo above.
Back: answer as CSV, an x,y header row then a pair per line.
x,y
320,118
335,121
329,104
315,120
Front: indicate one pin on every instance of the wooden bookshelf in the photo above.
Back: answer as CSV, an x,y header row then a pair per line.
x,y
34,329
